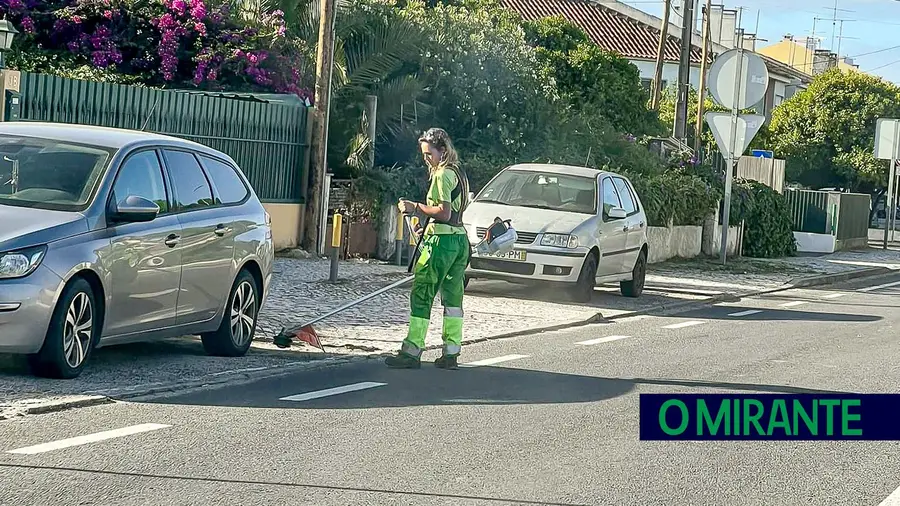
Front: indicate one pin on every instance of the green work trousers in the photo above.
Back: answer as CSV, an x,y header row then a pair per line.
x,y
441,267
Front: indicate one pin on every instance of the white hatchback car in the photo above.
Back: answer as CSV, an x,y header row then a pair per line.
x,y
577,226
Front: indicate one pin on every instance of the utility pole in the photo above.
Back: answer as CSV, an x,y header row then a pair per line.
x,y
324,66
701,93
660,57
684,71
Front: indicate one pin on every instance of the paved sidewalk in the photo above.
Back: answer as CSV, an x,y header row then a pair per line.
x,y
301,291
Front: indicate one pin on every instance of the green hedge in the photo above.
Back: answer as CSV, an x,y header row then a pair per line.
x,y
767,218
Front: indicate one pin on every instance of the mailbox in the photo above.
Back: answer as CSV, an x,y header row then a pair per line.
x,y
12,106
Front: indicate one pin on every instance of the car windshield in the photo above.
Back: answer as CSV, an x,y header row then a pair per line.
x,y
542,190
49,174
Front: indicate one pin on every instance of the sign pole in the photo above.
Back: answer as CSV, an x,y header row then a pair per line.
x,y
730,159
888,198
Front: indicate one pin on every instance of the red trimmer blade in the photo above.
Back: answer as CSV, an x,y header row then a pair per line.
x,y
308,335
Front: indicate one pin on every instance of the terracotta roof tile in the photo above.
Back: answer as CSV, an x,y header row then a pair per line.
x,y
607,28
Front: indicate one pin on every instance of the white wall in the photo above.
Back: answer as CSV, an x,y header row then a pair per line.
x,y
669,74
814,243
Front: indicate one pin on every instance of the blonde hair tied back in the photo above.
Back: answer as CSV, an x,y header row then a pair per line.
x,y
440,139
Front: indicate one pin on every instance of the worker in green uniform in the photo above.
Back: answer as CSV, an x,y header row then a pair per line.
x,y
443,258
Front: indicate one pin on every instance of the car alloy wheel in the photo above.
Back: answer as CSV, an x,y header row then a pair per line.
x,y
243,313
78,330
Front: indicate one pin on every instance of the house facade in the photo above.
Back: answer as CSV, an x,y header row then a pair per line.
x,y
635,34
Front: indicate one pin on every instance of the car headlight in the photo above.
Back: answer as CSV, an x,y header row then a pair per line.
x,y
560,240
18,264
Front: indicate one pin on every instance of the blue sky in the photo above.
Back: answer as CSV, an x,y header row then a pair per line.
x,y
869,31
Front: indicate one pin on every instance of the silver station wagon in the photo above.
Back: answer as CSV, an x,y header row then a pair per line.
x,y
113,236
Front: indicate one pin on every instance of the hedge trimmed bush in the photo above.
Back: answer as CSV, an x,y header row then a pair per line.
x,y
767,217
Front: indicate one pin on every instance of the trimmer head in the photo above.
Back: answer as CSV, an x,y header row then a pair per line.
x,y
307,334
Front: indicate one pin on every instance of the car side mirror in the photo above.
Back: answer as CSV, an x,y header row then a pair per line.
x,y
617,213
134,209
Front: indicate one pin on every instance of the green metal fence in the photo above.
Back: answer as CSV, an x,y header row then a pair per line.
x,y
809,210
266,137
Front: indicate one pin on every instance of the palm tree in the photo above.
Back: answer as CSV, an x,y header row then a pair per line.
x,y
377,52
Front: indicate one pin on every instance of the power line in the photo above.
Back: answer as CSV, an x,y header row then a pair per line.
x,y
876,52
883,66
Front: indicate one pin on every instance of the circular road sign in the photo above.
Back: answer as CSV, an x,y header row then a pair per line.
x,y
753,79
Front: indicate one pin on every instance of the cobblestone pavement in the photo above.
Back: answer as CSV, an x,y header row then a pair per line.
x,y
301,290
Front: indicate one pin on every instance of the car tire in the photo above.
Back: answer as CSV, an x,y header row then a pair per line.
x,y
74,330
235,334
583,291
635,287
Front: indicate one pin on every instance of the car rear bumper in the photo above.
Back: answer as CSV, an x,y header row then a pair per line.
x,y
26,306
560,266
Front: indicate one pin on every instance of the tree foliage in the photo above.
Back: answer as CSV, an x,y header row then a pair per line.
x,y
827,132
590,77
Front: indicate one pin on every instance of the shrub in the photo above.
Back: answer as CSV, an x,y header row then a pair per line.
x,y
767,218
164,42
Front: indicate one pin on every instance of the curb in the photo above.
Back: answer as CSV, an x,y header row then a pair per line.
x,y
241,376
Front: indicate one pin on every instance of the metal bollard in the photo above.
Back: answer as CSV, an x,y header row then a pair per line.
x,y
400,227
335,246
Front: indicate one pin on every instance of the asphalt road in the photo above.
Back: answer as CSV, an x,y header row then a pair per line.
x,y
544,421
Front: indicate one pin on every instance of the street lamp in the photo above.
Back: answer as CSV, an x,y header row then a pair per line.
x,y
7,32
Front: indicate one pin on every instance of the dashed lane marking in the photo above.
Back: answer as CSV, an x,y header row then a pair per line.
x,y
746,313
316,394
794,303
892,500
834,295
599,340
89,438
682,325
879,287
492,361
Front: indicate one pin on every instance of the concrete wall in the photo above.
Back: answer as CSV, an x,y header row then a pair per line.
x,y
669,242
808,242
287,219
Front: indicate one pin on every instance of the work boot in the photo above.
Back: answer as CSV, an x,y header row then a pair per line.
x,y
447,362
403,361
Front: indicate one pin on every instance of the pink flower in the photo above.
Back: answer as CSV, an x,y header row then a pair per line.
x,y
76,20
28,24
108,14
200,28
179,6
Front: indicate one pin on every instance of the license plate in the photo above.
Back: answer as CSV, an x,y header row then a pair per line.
x,y
518,256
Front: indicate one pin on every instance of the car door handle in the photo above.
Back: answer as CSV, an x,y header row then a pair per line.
x,y
625,228
172,240
221,230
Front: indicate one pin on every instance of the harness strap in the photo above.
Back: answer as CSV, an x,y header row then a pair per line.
x,y
456,217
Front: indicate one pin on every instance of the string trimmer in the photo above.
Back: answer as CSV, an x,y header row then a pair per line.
x,y
499,238
306,333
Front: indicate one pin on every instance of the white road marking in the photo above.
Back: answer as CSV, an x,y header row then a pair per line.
x,y
892,500
316,394
879,287
794,304
492,361
747,312
90,438
599,340
834,295
682,325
